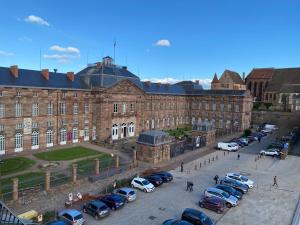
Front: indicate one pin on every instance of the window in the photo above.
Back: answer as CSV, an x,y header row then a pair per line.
x,y
35,94
131,107
229,107
86,134
147,124
206,106
237,108
2,145
2,127
19,110
86,107
221,124
124,107
49,93
49,138
35,125
50,109
18,142
214,107
63,136
50,123
75,108
35,109
115,107
75,135
152,123
2,110
18,94
19,126
35,140
62,108
75,122
1,94
115,132
63,122
63,94
75,95
222,107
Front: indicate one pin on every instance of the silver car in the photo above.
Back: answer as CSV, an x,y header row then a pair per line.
x,y
128,193
229,199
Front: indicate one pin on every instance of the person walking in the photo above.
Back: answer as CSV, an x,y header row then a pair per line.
x,y
275,181
259,138
216,178
187,185
238,156
181,167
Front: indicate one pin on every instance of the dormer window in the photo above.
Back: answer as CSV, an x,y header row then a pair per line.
x,y
18,94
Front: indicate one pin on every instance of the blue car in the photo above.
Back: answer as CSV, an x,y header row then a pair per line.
x,y
56,222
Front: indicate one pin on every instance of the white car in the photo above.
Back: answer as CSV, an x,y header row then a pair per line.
x,y
271,152
242,179
142,184
228,146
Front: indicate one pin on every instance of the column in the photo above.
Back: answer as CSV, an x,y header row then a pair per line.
x,y
47,180
134,158
97,166
117,161
15,189
74,173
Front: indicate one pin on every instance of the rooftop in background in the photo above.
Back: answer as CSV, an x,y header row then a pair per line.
x,y
261,73
154,138
229,76
282,77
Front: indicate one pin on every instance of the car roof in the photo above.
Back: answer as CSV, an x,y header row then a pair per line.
x,y
56,222
233,174
126,189
194,212
224,186
139,178
215,190
71,212
213,198
97,203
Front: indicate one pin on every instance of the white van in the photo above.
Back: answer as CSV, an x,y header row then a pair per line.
x,y
228,146
270,127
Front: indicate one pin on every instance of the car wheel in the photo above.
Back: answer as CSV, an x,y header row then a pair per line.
x,y
228,205
84,210
97,217
113,208
145,190
201,205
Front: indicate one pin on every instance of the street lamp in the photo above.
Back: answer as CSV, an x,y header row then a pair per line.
x,y
1,162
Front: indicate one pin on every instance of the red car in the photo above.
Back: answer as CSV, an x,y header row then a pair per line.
x,y
213,203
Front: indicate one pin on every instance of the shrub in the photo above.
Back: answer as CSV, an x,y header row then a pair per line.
x,y
247,132
268,105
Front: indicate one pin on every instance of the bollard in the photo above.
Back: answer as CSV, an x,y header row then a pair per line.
x,y
205,162
224,154
15,189
200,165
209,161
216,157
196,167
213,159
117,162
47,180
134,158
227,152
74,173
97,166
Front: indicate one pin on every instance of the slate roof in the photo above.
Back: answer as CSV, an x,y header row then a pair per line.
x,y
283,76
154,138
290,88
232,75
215,80
34,79
259,73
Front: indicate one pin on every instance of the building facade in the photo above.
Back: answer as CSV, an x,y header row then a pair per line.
x,y
41,109
229,80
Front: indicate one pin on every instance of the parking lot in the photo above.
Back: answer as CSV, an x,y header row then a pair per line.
x,y
262,205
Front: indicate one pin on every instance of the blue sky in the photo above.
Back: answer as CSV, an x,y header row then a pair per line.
x,y
156,39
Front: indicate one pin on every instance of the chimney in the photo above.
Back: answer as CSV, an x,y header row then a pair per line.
x,y
45,74
14,71
197,82
148,83
98,64
124,67
70,76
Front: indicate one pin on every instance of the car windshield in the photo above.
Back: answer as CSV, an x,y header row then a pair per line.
x,y
131,193
244,178
225,194
78,217
103,207
145,182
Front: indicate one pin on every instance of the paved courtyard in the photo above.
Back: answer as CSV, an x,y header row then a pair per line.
x,y
263,205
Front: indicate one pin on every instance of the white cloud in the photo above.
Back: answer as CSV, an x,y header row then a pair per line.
x,y
55,56
25,39
4,53
67,49
163,43
36,19
204,82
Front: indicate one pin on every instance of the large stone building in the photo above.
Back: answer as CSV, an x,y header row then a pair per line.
x,y
229,80
42,109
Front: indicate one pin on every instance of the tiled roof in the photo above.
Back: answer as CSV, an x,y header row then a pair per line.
x,y
215,80
290,88
34,79
234,77
283,76
265,73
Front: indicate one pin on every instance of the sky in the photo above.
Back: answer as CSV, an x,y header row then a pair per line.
x,y
159,40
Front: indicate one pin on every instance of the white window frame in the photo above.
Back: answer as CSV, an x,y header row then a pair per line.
x,y
86,134
62,108
115,108
75,135
114,132
35,140
35,109
2,144
75,108
131,130
94,133
124,107
19,109
18,142
50,109
86,107
49,138
2,110
18,94
63,136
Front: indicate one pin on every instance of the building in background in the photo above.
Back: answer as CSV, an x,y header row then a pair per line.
x,y
229,80
42,109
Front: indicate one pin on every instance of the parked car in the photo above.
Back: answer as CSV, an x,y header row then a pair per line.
x,y
270,127
278,145
240,143
228,146
128,193
235,184
113,201
96,208
252,138
244,140
176,222
155,180
230,190
266,131
196,217
213,203
142,184
229,199
71,217
56,222
165,176
240,178
270,152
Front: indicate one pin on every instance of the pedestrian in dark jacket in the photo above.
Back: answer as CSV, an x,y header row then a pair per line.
x,y
238,157
216,178
275,181
181,167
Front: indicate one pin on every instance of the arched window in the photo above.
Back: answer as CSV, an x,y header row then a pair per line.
x,y
49,138
35,140
63,136
114,135
75,135
2,145
131,130
18,142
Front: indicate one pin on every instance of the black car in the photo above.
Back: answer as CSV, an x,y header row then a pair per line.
x,y
155,180
196,217
165,176
240,143
278,145
235,184
113,201
96,208
176,222
230,190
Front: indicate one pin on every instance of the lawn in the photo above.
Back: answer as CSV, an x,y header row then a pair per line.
x,y
15,164
66,154
87,166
